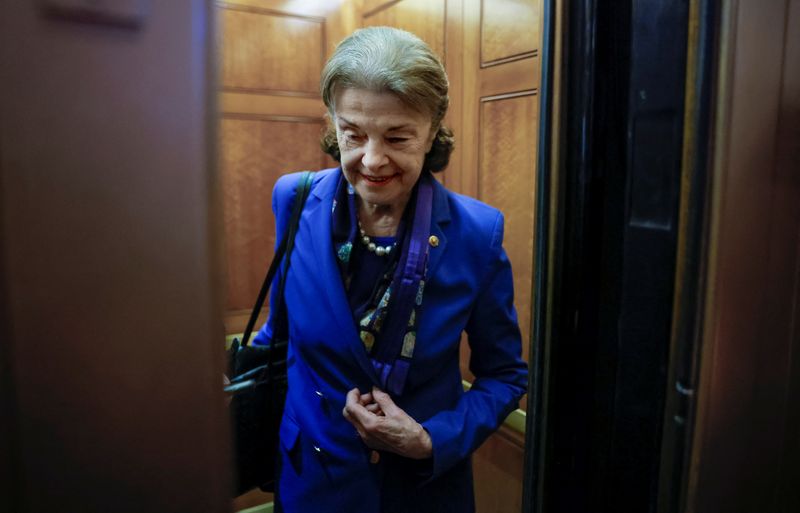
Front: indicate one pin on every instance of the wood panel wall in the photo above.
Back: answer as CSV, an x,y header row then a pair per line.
x,y
501,80
272,117
506,179
500,77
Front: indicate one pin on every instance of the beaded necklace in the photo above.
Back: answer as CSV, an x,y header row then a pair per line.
x,y
372,246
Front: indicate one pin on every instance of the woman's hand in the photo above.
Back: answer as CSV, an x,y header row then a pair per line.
x,y
384,426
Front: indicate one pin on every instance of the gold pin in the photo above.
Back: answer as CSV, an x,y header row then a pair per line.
x,y
433,240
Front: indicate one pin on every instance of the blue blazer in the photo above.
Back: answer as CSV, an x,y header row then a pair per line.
x,y
325,467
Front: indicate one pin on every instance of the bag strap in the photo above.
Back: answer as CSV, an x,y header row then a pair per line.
x,y
285,248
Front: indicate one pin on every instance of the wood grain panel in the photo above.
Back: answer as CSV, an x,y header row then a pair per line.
x,y
425,18
254,153
315,8
471,100
521,75
342,17
252,499
370,6
260,50
497,466
509,29
240,103
507,180
454,64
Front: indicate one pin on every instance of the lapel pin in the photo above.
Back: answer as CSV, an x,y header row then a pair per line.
x,y
433,240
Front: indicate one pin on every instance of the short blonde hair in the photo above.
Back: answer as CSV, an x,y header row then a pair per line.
x,y
386,59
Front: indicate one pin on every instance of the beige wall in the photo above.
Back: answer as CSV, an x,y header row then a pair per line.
x,y
113,334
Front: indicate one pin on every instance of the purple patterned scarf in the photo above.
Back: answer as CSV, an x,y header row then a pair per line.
x,y
388,327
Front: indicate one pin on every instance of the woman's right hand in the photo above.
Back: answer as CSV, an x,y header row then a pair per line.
x,y
384,426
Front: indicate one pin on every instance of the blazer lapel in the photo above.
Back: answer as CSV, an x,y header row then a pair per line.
x,y
440,217
319,215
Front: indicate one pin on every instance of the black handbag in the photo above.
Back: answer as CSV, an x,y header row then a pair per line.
x,y
258,383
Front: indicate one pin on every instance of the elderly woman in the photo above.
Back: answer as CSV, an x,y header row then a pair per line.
x,y
388,270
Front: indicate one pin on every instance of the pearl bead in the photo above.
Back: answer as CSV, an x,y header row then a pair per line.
x,y
371,246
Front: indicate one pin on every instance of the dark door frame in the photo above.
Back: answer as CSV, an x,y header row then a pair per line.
x,y
609,368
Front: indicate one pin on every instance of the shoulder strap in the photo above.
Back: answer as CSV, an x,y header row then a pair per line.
x,y
285,248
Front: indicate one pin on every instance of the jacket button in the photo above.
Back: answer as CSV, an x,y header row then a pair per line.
x,y
433,240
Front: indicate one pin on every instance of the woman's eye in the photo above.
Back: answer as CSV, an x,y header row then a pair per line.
x,y
352,138
397,140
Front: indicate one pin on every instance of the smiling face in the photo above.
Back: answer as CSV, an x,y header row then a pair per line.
x,y
382,143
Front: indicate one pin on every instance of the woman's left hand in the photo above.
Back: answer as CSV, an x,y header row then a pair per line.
x,y
384,426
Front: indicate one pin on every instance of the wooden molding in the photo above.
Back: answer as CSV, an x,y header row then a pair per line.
x,y
506,96
237,103
272,92
514,76
511,58
270,12
269,117
382,7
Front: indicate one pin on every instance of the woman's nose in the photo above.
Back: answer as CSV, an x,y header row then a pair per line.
x,y
374,155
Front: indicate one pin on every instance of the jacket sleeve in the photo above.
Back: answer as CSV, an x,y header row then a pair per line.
x,y
496,361
282,199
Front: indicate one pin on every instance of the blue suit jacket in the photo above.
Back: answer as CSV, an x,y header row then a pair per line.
x,y
325,465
